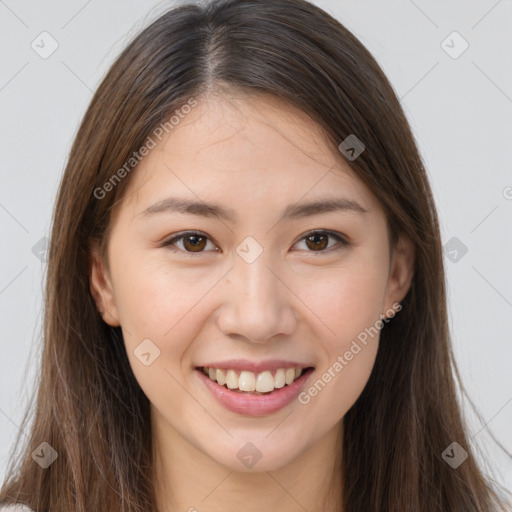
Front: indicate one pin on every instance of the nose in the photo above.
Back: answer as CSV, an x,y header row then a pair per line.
x,y
258,303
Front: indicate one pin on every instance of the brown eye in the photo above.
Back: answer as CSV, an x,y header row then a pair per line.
x,y
194,243
318,241
191,242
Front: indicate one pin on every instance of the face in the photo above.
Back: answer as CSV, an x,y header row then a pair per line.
x,y
258,288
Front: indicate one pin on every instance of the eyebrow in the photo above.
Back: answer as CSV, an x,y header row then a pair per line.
x,y
292,211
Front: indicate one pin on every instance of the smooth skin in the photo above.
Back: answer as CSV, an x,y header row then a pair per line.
x,y
253,155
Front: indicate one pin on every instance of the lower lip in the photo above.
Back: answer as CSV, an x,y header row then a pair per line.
x,y
255,405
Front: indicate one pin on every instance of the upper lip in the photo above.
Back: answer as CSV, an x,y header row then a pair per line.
x,y
256,367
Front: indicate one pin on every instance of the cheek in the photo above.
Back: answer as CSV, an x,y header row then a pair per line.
x,y
156,304
347,360
349,303
160,302
146,292
338,384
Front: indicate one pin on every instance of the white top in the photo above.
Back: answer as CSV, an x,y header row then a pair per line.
x,y
15,508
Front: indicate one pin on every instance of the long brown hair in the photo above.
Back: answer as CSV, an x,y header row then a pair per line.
x,y
89,407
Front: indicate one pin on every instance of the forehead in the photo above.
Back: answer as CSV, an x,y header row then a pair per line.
x,y
244,151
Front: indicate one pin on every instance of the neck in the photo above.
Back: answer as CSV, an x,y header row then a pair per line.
x,y
187,479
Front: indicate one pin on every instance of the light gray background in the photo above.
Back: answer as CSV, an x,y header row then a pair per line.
x,y
460,110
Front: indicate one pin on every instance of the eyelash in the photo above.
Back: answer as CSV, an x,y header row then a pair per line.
x,y
341,240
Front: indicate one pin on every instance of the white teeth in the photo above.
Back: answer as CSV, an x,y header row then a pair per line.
x,y
279,378
232,379
290,375
263,382
247,381
221,377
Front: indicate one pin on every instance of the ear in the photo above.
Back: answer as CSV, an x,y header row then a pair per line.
x,y
101,288
401,271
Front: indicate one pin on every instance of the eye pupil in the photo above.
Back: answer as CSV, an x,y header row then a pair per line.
x,y
314,236
195,246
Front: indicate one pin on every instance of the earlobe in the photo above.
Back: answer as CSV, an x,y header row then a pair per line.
x,y
102,290
401,272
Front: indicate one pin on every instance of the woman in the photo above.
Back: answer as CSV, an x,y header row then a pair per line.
x,y
245,304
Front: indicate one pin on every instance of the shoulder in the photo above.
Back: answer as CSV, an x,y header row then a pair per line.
x,y
15,508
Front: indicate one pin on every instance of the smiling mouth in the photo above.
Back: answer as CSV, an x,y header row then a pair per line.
x,y
250,383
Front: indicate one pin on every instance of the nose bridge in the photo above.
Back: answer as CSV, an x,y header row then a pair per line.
x,y
255,280
256,297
